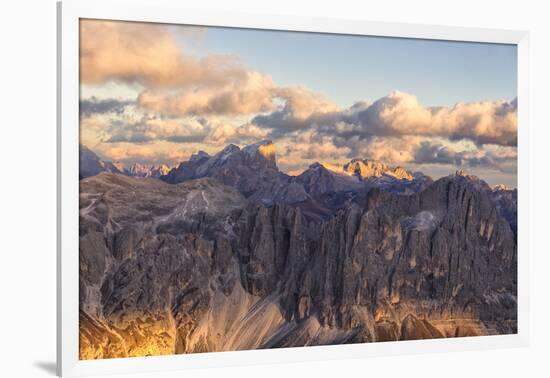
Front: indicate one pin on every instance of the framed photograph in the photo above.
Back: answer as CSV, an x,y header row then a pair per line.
x,y
238,188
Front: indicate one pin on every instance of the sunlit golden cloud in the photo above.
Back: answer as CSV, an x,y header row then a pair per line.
x,y
147,54
249,94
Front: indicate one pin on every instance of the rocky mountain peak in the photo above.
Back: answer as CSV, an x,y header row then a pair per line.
x,y
502,188
373,168
163,169
199,155
145,170
119,165
335,168
325,169
138,169
91,164
265,148
260,155
316,165
471,180
229,150
366,168
400,173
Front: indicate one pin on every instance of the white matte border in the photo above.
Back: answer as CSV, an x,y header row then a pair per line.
x,y
166,11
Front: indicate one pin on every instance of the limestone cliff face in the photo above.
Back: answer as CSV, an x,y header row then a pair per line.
x,y
444,250
197,267
370,168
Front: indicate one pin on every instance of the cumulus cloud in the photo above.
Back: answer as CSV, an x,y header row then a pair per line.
x,y
147,54
308,147
252,132
92,130
301,109
430,153
489,122
92,123
223,133
390,150
400,114
301,103
322,148
414,150
173,83
291,108
94,105
149,129
245,94
503,159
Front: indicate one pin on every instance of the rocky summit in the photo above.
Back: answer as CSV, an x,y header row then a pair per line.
x,y
226,252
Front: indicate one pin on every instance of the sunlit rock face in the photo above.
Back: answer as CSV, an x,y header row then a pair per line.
x,y
143,170
370,168
202,266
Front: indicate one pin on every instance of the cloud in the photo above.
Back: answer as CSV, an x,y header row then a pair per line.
x,y
390,150
246,94
92,123
146,54
429,153
173,83
151,128
301,109
244,134
291,108
323,149
150,153
488,122
221,134
252,132
123,152
94,105
301,103
415,150
495,157
396,115
92,130
306,148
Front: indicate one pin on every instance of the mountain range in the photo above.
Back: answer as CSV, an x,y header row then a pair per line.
x,y
91,165
226,252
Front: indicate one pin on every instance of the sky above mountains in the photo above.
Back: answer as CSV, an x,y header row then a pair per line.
x,y
153,93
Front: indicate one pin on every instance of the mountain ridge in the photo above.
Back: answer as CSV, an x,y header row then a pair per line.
x,y
319,191
91,164
197,267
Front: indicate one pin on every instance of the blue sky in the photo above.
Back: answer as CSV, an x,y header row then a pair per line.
x,y
350,68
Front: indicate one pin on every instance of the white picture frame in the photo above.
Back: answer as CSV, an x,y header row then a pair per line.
x,y
165,11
